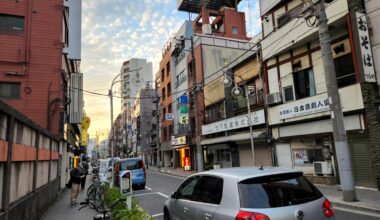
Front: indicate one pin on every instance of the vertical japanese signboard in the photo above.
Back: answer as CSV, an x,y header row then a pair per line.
x,y
365,47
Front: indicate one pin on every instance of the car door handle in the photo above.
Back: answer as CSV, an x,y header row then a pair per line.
x,y
185,209
208,216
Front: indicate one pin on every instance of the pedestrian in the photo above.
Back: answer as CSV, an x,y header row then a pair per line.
x,y
84,167
75,177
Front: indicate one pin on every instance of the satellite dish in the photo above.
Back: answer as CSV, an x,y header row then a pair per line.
x,y
139,81
236,92
227,81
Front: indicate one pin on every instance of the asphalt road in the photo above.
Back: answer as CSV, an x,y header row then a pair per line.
x,y
159,187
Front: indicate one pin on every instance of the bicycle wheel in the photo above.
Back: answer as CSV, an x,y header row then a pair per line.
x,y
97,196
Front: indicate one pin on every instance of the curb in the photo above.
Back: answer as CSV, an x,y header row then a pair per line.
x,y
341,204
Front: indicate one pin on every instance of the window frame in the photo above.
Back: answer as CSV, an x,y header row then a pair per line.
x,y
12,91
7,30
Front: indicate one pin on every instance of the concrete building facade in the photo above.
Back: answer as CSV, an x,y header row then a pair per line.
x,y
298,111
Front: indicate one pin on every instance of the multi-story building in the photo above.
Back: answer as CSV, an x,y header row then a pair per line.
x,y
40,54
135,73
298,111
219,37
165,74
38,58
144,121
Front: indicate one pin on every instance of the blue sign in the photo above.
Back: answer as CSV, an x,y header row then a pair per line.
x,y
183,99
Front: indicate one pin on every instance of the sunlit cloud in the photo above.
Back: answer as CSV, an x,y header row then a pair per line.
x,y
116,30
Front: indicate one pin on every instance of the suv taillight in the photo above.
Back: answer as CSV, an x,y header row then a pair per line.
x,y
243,215
327,208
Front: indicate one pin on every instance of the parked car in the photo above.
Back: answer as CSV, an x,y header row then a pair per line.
x,y
136,166
248,193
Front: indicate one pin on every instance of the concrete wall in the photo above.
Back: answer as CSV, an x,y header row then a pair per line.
x,y
42,173
21,180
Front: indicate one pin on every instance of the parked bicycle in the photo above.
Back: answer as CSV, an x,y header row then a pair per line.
x,y
96,192
103,213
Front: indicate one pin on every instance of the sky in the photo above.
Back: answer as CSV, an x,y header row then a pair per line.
x,y
116,30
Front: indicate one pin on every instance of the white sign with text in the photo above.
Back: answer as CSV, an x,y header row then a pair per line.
x,y
241,121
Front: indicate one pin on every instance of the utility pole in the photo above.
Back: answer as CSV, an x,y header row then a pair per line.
x,y
195,97
113,138
158,126
339,131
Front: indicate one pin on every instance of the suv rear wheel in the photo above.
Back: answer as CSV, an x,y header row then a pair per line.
x,y
166,214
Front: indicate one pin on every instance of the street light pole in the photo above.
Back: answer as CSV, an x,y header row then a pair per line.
x,y
250,123
112,130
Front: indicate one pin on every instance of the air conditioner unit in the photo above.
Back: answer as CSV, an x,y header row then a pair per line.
x,y
322,168
274,98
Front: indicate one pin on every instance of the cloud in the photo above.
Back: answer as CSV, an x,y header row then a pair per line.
x,y
116,30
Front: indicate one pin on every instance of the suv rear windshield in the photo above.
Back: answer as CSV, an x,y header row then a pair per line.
x,y
276,191
131,165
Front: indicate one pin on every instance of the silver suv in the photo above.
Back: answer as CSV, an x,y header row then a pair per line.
x,y
248,193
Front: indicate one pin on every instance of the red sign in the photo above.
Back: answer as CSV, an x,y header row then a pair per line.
x,y
187,163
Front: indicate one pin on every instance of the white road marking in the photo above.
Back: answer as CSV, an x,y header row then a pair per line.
x,y
148,188
161,194
156,215
169,175
158,193
144,194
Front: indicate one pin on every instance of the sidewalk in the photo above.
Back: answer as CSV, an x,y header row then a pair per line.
x,y
62,210
369,200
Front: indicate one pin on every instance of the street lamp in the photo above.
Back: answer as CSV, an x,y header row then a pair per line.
x,y
236,92
113,132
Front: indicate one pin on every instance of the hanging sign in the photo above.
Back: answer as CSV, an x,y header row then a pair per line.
x,y
169,116
184,119
183,99
365,47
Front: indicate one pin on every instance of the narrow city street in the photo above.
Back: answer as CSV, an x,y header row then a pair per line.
x,y
158,189
160,186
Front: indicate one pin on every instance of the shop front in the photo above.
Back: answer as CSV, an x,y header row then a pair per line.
x,y
309,147
234,148
182,155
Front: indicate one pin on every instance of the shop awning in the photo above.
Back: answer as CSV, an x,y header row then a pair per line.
x,y
235,137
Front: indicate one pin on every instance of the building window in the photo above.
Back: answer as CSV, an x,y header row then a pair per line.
x,y
163,92
304,85
162,75
9,90
288,16
288,94
137,75
214,112
345,70
163,113
180,78
235,30
305,156
169,89
11,23
170,108
168,68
